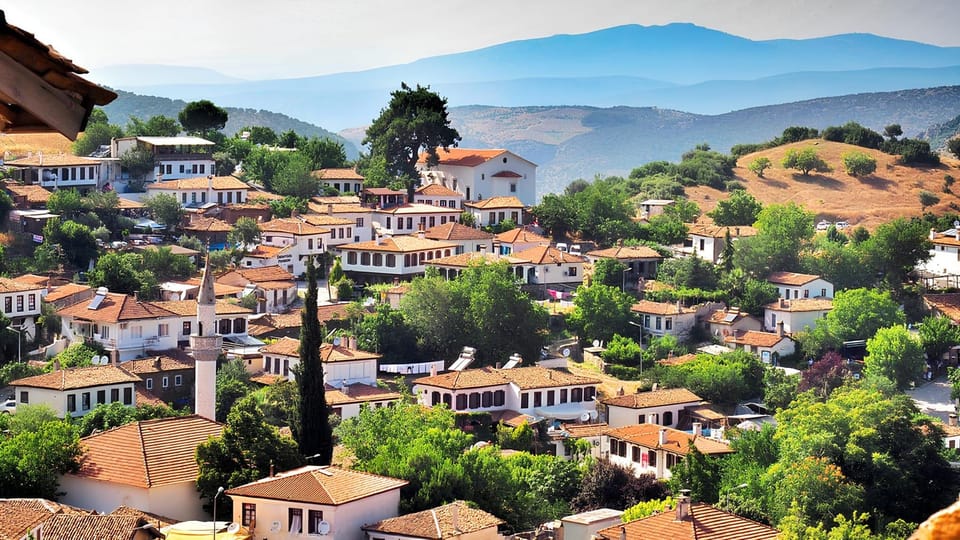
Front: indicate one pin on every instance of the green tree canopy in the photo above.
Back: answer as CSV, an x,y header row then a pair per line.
x,y
782,231
740,208
895,354
199,117
600,311
156,126
165,209
726,378
312,429
858,164
805,161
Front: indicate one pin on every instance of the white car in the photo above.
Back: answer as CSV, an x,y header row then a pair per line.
x,y
9,406
823,225
840,225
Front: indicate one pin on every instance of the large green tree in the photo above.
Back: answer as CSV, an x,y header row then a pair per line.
x,y
805,161
165,209
740,208
157,125
36,450
313,431
600,311
200,117
895,248
414,121
895,354
782,231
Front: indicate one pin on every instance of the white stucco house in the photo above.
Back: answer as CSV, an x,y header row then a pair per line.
x,y
769,346
548,265
944,253
196,192
654,449
386,258
796,315
342,180
493,211
150,465
479,174
292,240
77,391
791,285
58,171
438,195
315,501
468,239
707,241
412,217
520,239
274,286
20,302
662,407
174,157
665,318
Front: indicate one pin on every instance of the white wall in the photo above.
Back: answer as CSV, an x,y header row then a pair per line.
x,y
178,501
943,260
625,416
57,399
817,287
793,321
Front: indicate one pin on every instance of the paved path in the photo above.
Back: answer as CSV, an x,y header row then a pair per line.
x,y
933,398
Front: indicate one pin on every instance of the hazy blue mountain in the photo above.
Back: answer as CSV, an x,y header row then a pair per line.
x,y
678,66
138,75
129,104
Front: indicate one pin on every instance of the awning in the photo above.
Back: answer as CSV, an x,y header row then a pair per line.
x,y
568,411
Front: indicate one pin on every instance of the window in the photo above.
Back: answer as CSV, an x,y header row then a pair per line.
x,y
295,519
433,221
239,325
286,368
182,169
193,168
653,458
499,398
702,244
19,302
163,330
149,383
315,518
71,402
589,393
83,173
668,323
576,395
391,260
461,402
351,257
365,259
551,397
668,418
823,292
359,222
475,400
24,396
435,398
136,331
32,302
186,328
493,218
309,243
166,382
183,197
572,271
114,394
486,399
169,169
513,188
642,419
389,221
193,197
203,169
636,452
8,304
525,400
378,259
806,293
538,399
658,322
248,514
85,401
563,395
266,364
128,396
101,397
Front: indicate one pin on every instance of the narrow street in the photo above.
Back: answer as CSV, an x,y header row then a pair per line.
x,y
933,398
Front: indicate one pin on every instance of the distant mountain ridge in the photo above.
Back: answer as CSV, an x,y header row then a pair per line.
x,y
129,104
680,66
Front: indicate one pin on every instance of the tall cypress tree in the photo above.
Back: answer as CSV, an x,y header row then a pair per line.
x,y
313,432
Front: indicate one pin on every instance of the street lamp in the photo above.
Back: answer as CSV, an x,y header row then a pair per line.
x,y
726,495
19,330
219,492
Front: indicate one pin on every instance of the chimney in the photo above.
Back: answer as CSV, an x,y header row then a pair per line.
x,y
683,505
352,343
697,429
329,209
952,419
956,233
780,302
379,239
433,370
678,306
420,233
620,391
623,533
662,439
210,181
780,329
156,362
455,516
271,468
345,388
933,234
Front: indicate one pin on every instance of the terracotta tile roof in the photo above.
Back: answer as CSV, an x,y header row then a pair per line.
x,y
948,304
254,193
464,260
257,275
66,290
418,208
705,523
521,236
399,244
227,183
92,527
276,285
801,304
659,308
511,418
452,230
204,224
438,523
291,226
339,208
318,485
942,239
626,253
75,378
437,190
8,285
149,453
264,252
678,442
19,516
585,430
188,308
707,412
547,255
284,346
754,338
358,393
524,377
654,398
677,360
219,289
127,204
336,199
496,202
53,160
381,191
115,308
32,193
463,157
716,231
791,278
323,220
156,520
266,379
174,249
157,364
337,174
32,279
329,312
720,316
146,397
507,174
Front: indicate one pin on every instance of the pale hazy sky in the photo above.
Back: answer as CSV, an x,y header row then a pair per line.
x,y
293,38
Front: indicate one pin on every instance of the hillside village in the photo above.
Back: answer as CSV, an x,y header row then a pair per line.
x,y
252,337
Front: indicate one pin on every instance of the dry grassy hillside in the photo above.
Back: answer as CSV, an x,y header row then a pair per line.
x,y
890,192
15,145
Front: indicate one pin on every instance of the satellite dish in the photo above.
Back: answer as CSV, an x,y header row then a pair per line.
x,y
233,528
323,528
596,343
336,341
566,352
275,526
585,416
956,224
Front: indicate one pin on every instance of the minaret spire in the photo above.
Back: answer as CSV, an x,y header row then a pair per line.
x,y
206,344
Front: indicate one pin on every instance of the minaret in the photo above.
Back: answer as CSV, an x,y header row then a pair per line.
x,y
206,344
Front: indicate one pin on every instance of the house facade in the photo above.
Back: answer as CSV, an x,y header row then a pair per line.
x,y
791,285
77,391
199,191
641,262
20,302
727,322
410,218
342,180
150,465
520,239
795,315
664,318
315,501
438,195
495,210
654,449
662,407
174,157
169,377
385,259
231,319
707,241
770,347
275,288
58,171
479,174
548,265
944,253
296,241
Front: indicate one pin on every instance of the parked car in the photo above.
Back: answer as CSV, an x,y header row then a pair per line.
x,y
9,406
823,225
841,225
